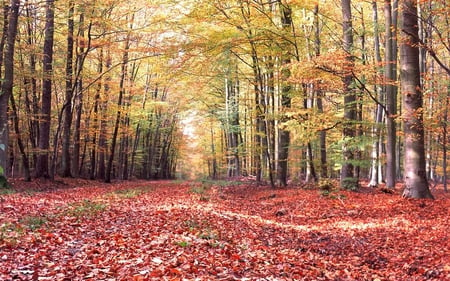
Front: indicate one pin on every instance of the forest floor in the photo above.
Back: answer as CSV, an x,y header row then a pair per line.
x,y
173,230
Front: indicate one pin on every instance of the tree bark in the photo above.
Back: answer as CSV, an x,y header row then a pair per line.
x,y
319,94
416,183
375,172
119,109
348,179
42,167
65,154
391,98
82,51
7,88
30,82
102,139
284,135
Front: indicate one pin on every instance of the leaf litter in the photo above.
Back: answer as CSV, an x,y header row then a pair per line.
x,y
163,230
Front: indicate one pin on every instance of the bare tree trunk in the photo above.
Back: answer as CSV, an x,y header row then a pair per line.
x,y
30,83
102,141
232,124
42,167
96,126
213,173
4,128
319,93
391,99
348,179
444,140
7,88
284,135
375,173
119,109
25,161
395,76
82,51
416,183
67,108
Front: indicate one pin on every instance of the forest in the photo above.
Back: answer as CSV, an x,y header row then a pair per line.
x,y
282,91
224,140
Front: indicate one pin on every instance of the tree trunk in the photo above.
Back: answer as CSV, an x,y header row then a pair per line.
x,y
444,139
42,168
20,144
67,108
284,135
98,90
7,88
348,179
391,98
4,130
213,173
375,174
83,49
319,94
416,183
119,110
30,83
232,125
102,139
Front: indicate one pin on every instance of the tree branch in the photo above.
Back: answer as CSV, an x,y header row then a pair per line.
x,y
429,51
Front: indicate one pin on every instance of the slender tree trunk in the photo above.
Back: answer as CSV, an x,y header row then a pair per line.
x,y
82,51
30,83
444,140
259,124
102,139
284,135
391,99
98,90
4,128
319,93
119,110
213,153
375,172
125,140
7,87
42,167
232,125
416,183
348,179
67,108
20,144
394,73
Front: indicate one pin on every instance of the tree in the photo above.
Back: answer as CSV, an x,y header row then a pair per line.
x,y
322,133
284,135
348,179
67,108
376,175
122,89
7,86
391,95
42,168
416,183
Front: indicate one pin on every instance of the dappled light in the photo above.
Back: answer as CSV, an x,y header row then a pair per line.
x,y
252,140
217,230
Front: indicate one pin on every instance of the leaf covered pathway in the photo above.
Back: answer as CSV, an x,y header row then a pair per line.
x,y
195,231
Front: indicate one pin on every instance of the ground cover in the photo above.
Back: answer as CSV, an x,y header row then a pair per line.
x,y
172,230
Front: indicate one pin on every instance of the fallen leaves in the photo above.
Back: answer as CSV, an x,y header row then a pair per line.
x,y
180,231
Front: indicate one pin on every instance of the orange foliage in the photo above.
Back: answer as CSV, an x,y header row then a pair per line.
x,y
177,231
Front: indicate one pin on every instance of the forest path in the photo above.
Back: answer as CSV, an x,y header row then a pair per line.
x,y
172,230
